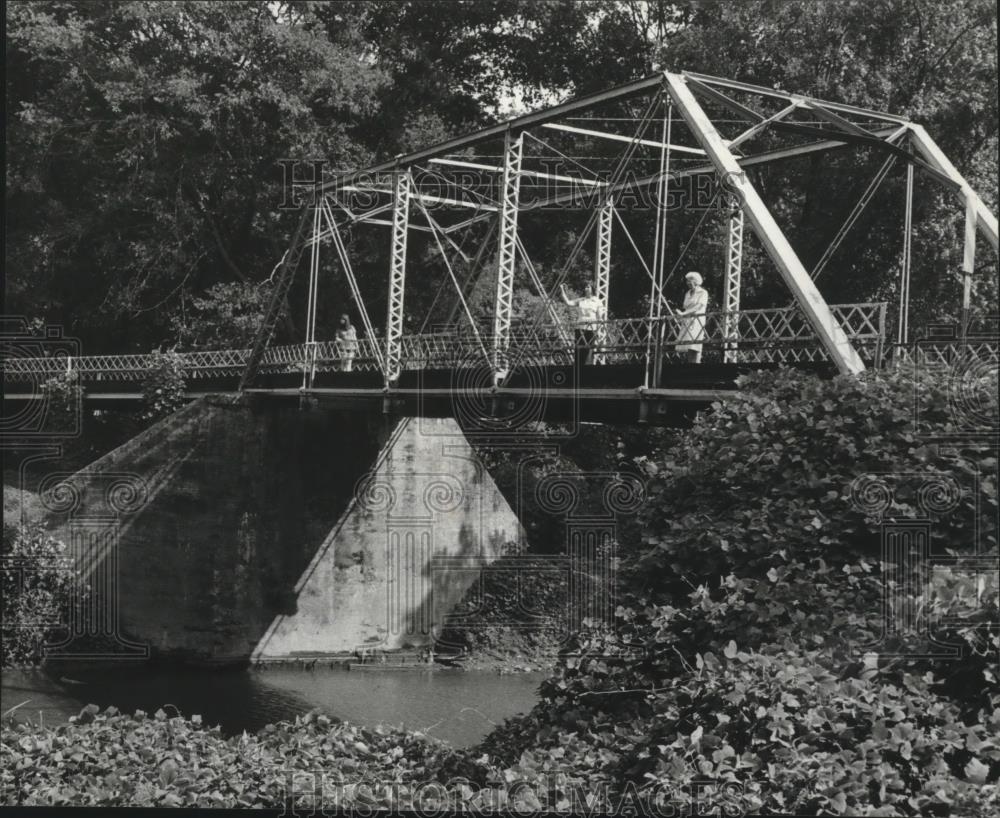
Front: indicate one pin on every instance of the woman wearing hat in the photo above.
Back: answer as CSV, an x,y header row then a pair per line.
x,y
691,330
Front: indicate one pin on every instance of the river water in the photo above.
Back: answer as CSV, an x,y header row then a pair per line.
x,y
457,707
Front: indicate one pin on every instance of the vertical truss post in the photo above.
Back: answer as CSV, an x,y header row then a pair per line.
x,y
731,282
824,323
655,337
936,158
397,277
968,262
503,303
309,365
903,323
602,270
285,270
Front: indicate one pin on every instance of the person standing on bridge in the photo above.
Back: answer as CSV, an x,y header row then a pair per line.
x,y
590,314
347,343
691,327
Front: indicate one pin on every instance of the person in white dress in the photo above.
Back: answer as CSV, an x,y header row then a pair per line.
x,y
347,343
590,314
691,327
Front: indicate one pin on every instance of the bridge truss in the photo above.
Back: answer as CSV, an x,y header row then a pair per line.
x,y
684,131
495,174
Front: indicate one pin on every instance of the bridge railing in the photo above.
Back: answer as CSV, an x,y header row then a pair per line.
x,y
766,335
751,336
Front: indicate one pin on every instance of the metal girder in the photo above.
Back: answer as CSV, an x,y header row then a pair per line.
x,y
619,137
287,266
743,161
903,331
454,281
853,216
397,276
968,262
514,125
835,119
870,141
309,369
731,281
762,125
537,174
738,108
352,281
736,85
540,288
507,250
829,331
929,149
602,254
475,269
425,197
602,268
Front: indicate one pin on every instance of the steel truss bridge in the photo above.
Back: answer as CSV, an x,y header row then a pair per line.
x,y
474,189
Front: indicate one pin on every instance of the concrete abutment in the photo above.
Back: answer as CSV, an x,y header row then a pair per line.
x,y
249,527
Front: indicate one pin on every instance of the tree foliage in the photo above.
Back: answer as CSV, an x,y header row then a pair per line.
x,y
38,578
146,139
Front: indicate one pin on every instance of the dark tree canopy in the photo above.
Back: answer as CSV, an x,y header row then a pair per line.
x,y
145,139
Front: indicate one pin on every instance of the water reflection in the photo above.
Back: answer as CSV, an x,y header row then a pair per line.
x,y
457,707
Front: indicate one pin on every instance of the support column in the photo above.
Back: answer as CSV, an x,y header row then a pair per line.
x,y
968,261
822,320
903,325
936,158
602,271
506,254
731,282
309,365
397,277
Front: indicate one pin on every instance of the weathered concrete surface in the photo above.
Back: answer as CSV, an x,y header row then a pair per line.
x,y
424,522
233,525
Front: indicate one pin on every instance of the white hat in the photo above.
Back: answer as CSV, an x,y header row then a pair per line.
x,y
694,276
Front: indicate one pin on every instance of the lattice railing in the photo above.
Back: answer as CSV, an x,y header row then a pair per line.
x,y
762,335
949,354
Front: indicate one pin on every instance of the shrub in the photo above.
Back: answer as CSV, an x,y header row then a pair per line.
x,y
63,395
779,471
164,386
37,580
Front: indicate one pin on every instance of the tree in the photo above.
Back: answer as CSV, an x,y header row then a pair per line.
x,y
146,146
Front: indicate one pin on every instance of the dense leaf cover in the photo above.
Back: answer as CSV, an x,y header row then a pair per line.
x,y
148,142
164,385
37,582
750,651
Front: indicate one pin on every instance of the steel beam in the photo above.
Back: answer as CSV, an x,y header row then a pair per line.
x,y
903,320
513,125
537,174
731,282
743,161
397,277
602,254
309,368
286,273
735,85
935,157
352,281
968,262
620,137
826,326
507,253
602,267
752,131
